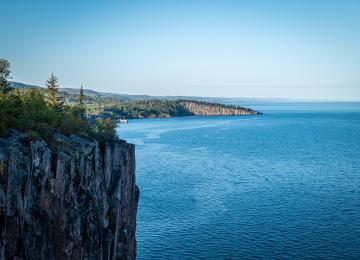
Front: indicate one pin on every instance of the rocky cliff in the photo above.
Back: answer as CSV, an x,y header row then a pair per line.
x,y
78,201
215,109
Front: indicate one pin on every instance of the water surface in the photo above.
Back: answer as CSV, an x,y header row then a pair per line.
x,y
282,185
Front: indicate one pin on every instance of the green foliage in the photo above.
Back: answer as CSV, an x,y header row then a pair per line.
x,y
52,95
41,114
80,107
10,112
81,97
158,108
73,121
4,75
28,111
146,109
115,106
104,130
37,116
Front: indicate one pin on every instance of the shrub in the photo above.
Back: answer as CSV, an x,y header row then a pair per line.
x,y
104,130
28,111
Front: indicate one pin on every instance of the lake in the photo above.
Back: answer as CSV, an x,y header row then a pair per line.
x,y
282,185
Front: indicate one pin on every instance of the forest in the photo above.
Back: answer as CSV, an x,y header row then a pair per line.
x,y
40,113
115,106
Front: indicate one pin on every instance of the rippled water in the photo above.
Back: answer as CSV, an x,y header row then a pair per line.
x,y
282,185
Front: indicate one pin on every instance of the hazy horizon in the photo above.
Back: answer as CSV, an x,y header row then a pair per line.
x,y
265,99
241,49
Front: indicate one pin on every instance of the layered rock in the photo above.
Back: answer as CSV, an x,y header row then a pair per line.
x,y
76,201
214,109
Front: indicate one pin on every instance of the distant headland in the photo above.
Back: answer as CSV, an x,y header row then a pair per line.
x,y
116,106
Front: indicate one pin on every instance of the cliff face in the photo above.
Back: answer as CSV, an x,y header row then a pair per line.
x,y
209,109
78,202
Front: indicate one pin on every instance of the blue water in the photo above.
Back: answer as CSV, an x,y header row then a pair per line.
x,y
278,186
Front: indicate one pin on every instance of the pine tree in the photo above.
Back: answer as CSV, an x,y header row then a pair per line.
x,y
52,96
81,101
81,97
4,75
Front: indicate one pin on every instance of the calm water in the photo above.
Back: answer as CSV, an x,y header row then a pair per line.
x,y
282,185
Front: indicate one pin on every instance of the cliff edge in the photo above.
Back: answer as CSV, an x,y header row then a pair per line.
x,y
199,108
78,201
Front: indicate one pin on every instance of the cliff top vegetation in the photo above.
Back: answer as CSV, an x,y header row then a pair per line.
x,y
42,113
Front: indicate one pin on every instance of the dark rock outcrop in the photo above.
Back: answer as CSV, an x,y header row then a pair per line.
x,y
76,202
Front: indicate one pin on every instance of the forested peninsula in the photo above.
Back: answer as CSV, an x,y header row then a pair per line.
x,y
115,106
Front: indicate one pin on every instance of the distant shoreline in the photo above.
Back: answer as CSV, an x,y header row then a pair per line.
x,y
190,116
170,109
216,99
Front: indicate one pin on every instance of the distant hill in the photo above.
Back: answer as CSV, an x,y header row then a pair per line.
x,y
75,91
89,92
127,97
15,84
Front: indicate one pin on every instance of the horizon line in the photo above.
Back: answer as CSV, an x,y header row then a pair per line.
x,y
269,99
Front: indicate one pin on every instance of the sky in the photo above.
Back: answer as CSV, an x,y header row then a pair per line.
x,y
305,49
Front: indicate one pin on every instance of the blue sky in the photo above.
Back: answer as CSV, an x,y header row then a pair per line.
x,y
283,49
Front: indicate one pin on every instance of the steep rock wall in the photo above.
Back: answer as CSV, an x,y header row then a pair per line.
x,y
208,109
77,202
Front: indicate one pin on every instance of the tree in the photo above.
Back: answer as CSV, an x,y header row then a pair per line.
x,y
41,115
105,130
81,97
52,96
4,75
10,112
79,108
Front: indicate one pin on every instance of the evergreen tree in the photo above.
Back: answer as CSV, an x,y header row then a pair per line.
x,y
81,97
81,102
4,75
52,96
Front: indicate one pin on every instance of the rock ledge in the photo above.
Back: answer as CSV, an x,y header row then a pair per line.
x,y
77,202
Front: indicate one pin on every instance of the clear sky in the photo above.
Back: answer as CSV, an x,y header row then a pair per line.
x,y
284,49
